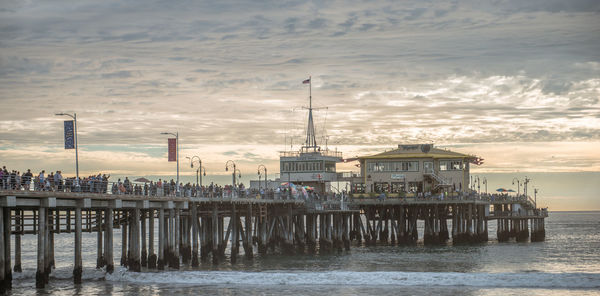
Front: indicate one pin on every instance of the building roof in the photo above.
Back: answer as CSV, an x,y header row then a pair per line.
x,y
419,151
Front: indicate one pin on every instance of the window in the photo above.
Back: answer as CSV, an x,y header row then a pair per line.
x,y
397,187
443,165
358,188
415,186
382,187
450,165
456,165
394,166
330,166
410,166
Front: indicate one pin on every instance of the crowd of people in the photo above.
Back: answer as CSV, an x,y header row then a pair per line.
x,y
55,182
52,181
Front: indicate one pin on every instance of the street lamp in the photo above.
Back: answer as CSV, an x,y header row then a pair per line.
x,y
525,182
264,168
518,185
485,183
74,116
535,192
198,170
176,134
231,164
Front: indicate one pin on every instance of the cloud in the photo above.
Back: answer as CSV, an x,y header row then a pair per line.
x,y
229,73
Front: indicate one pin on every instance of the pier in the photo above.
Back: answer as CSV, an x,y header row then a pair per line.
x,y
199,229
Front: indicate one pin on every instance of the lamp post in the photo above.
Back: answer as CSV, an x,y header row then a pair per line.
x,y
231,164
478,184
485,183
518,185
74,116
535,191
201,171
525,182
176,134
264,168
192,166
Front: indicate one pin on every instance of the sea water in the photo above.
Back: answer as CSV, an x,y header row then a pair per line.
x,y
567,263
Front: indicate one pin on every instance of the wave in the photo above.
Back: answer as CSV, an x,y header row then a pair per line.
x,y
354,278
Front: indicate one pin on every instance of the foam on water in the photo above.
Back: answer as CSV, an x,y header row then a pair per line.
x,y
354,278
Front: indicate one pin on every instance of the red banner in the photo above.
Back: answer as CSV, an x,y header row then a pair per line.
x,y
172,149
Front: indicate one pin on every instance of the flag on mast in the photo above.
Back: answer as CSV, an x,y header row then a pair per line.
x,y
307,81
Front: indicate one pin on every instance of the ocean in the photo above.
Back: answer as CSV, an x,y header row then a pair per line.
x,y
567,263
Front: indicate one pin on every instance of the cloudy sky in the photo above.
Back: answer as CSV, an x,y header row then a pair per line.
x,y
516,82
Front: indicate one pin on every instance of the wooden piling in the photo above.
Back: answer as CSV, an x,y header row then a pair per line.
x,y
124,237
205,238
108,241
194,212
18,233
40,276
47,262
3,266
144,255
215,234
160,264
248,243
78,264
6,238
177,229
233,221
151,254
135,264
100,255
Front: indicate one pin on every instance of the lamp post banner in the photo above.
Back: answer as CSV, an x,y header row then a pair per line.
x,y
172,149
69,135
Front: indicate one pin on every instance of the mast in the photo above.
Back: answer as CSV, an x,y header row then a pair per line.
x,y
311,141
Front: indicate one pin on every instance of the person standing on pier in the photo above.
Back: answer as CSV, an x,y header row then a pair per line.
x,y
27,179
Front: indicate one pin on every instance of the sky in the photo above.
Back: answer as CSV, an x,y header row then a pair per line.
x,y
515,82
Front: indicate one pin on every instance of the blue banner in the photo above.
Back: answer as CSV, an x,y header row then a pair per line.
x,y
69,135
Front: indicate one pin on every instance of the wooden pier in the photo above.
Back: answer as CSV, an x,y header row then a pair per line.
x,y
194,230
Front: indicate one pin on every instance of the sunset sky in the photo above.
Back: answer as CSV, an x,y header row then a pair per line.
x,y
515,82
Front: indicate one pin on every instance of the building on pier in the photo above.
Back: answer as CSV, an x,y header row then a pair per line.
x,y
310,166
413,169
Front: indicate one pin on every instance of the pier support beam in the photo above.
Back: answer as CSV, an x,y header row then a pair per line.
x,y
262,233
161,239
134,252
7,232
40,275
248,243
176,239
100,255
3,266
144,255
124,222
194,212
215,234
233,220
78,266
18,233
151,254
108,241
205,238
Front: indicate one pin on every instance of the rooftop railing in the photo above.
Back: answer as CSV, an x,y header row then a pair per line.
x,y
328,153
